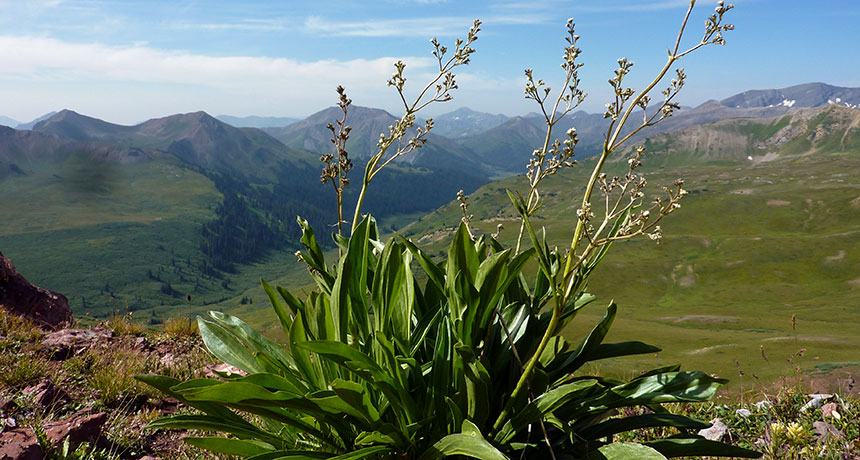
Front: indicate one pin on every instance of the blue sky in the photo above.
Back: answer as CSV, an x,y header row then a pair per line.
x,y
127,61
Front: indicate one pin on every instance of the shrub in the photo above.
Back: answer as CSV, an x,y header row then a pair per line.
x,y
470,362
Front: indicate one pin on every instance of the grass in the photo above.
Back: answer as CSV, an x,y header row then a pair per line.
x,y
751,246
180,327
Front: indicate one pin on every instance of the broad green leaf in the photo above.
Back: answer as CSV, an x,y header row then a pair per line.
x,y
240,447
434,273
311,370
366,452
253,340
625,451
613,350
588,345
463,444
292,455
226,347
462,257
622,424
210,423
696,447
356,396
314,257
544,404
283,316
340,353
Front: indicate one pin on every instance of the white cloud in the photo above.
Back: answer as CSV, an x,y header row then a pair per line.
x,y
183,81
442,26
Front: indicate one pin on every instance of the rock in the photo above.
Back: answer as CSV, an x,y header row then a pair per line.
x,y
17,295
743,413
67,342
816,401
764,404
718,431
829,410
82,426
20,444
46,394
140,344
168,360
824,431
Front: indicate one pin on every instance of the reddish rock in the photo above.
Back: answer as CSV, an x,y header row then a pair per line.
x,y
17,295
82,426
46,394
67,342
20,444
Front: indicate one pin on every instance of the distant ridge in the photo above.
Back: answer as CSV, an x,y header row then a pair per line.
x,y
257,122
806,95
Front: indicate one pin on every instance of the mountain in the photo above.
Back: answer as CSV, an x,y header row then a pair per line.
x,y
196,138
439,153
506,148
465,122
6,121
257,122
30,124
67,124
311,133
806,95
828,129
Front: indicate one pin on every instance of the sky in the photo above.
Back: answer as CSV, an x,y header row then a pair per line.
x,y
129,61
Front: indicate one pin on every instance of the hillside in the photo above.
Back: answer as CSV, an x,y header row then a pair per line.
x,y
756,242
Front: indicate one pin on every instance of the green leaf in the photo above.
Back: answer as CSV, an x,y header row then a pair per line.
x,y
696,447
625,451
240,447
588,345
340,353
544,404
362,453
226,347
284,317
434,273
253,340
468,445
620,425
314,257
204,423
357,397
311,370
292,455
462,257
613,350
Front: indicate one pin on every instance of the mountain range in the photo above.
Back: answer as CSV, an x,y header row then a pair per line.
x,y
203,198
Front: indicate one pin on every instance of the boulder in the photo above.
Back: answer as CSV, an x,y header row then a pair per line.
x,y
67,342
20,444
824,431
82,426
46,394
17,295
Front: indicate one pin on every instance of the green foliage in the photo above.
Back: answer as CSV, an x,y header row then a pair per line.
x,y
381,365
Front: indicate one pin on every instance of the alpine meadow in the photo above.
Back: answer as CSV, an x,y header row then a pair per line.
x,y
642,272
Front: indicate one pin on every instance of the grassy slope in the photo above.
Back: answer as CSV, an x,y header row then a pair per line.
x,y
752,245
110,228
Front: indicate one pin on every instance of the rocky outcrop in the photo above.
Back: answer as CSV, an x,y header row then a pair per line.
x,y
17,295
69,342
20,444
